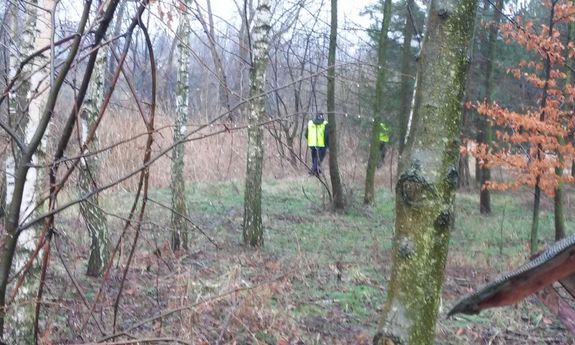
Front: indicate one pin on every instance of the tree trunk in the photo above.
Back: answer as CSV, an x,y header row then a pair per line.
x,y
40,118
559,215
336,184
28,114
464,175
378,105
483,128
223,87
486,132
111,63
89,171
252,224
558,208
179,224
428,178
535,217
406,87
246,11
542,117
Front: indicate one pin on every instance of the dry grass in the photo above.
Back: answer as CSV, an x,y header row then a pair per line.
x,y
211,158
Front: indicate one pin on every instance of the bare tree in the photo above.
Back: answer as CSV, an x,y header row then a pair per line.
x,y
89,170
336,184
30,100
406,72
24,176
179,224
377,105
252,223
224,91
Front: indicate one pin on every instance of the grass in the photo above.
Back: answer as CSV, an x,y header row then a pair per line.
x,y
321,277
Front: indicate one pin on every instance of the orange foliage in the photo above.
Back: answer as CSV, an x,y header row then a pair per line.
x,y
532,143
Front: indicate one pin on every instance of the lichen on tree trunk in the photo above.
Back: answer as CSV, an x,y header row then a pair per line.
x,y
428,178
252,222
28,113
89,171
180,230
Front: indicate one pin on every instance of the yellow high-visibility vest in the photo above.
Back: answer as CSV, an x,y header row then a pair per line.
x,y
316,134
383,133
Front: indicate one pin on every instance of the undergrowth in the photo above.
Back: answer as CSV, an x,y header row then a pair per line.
x,y
320,278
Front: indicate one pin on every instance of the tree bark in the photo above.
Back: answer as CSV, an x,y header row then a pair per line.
x,y
559,214
33,145
252,224
378,105
89,173
486,132
542,117
111,63
28,112
428,178
223,87
180,230
535,217
336,184
406,87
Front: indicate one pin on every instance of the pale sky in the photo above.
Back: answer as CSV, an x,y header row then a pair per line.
x,y
348,10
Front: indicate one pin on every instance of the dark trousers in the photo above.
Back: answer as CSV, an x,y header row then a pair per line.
x,y
317,156
382,150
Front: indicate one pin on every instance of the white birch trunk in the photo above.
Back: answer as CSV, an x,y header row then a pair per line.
x,y
180,229
36,34
94,217
252,224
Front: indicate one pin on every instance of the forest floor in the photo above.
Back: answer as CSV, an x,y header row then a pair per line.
x,y
320,279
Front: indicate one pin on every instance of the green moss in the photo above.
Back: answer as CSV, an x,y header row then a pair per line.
x,y
426,188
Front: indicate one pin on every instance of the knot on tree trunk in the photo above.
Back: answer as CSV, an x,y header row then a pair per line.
x,y
413,188
453,177
445,9
444,219
443,13
405,248
386,339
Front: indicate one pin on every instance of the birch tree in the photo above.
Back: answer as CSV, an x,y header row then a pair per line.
x,y
377,104
180,229
25,114
252,223
22,196
93,215
428,178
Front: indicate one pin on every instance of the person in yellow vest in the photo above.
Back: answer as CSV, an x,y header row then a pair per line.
x,y
317,135
383,140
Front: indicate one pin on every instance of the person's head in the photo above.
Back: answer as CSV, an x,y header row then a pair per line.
x,y
318,118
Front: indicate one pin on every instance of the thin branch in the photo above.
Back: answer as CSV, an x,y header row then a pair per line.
x,y
142,341
169,312
188,220
144,175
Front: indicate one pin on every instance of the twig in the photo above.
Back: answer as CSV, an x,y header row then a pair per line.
x,y
145,173
188,220
140,341
192,306
75,283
